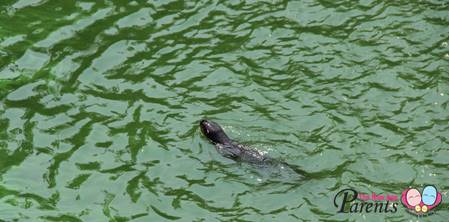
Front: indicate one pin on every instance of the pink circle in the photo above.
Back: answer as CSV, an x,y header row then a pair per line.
x,y
413,197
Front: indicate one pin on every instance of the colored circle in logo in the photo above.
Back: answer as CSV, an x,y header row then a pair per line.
x,y
413,197
429,195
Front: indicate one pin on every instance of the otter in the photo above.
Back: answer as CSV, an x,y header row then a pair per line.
x,y
230,148
238,152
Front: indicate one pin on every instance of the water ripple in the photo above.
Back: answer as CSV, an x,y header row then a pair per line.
x,y
100,102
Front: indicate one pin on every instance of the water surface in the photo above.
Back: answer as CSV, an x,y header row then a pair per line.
x,y
100,103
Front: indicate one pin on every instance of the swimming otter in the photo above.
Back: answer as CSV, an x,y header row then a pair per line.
x,y
229,148
233,150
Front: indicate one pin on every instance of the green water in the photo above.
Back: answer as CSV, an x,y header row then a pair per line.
x,y
100,103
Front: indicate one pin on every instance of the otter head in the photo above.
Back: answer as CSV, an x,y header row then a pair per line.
x,y
214,132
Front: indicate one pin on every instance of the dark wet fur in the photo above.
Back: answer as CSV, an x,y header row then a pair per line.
x,y
233,150
227,147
